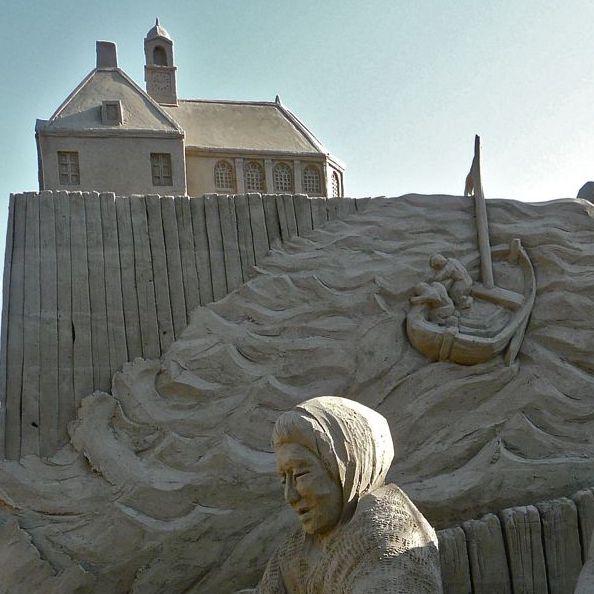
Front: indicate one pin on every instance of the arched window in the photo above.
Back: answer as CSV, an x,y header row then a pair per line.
x,y
311,180
223,176
335,185
282,177
159,56
254,176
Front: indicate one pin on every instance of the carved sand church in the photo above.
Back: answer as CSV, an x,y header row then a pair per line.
x,y
111,135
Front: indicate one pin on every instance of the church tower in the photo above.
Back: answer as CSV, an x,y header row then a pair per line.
x,y
159,69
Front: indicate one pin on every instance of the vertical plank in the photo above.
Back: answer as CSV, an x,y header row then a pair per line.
x,y
128,268
32,310
14,338
186,248
82,359
215,247
201,250
361,204
561,540
486,553
116,332
5,305
160,272
455,570
48,338
271,220
66,405
99,338
351,206
258,223
303,213
584,502
342,207
332,208
147,307
174,265
521,528
282,218
244,235
290,214
230,243
319,215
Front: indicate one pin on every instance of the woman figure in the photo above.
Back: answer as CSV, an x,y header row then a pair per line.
x,y
357,535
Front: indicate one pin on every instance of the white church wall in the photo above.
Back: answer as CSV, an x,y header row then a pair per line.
x,y
113,163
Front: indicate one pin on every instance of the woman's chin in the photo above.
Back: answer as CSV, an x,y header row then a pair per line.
x,y
315,528
310,524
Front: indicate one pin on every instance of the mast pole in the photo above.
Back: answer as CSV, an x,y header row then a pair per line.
x,y
482,225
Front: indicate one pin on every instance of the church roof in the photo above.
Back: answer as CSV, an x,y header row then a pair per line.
x,y
243,125
81,111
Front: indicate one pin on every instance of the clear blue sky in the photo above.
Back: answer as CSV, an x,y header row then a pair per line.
x,y
396,89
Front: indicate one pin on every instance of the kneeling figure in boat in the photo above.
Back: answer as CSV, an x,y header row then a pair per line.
x,y
454,276
441,307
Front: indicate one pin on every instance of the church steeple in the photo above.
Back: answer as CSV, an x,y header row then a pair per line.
x,y
159,69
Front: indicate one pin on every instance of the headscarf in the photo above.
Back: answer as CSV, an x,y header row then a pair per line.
x,y
352,441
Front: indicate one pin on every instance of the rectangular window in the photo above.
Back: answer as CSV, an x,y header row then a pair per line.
x,y
68,171
161,169
111,113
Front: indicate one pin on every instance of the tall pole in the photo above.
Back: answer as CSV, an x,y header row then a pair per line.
x,y
482,225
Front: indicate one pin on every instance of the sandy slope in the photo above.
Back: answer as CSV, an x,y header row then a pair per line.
x,y
169,484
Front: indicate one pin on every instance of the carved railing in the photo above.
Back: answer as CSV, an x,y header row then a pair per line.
x,y
533,549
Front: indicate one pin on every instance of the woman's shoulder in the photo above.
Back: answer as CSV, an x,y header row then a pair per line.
x,y
388,516
401,546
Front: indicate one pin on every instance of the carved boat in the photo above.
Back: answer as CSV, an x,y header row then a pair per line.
x,y
500,315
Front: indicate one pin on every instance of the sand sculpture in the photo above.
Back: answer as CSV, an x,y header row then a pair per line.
x,y
441,307
357,534
498,320
168,482
452,274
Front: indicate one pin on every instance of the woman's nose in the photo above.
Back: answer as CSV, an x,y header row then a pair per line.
x,y
291,494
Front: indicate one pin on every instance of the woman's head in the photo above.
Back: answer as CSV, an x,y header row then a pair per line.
x,y
330,452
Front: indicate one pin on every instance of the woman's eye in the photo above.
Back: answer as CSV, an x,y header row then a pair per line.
x,y
301,473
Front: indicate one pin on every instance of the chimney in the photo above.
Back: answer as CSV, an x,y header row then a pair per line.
x,y
107,54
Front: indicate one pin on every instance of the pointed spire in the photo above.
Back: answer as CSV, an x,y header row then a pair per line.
x,y
157,31
277,100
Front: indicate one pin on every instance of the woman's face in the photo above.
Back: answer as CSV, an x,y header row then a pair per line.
x,y
309,488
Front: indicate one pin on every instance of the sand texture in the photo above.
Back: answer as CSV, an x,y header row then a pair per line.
x,y
169,484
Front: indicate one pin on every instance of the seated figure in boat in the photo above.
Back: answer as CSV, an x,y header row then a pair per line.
x,y
441,307
357,535
454,276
